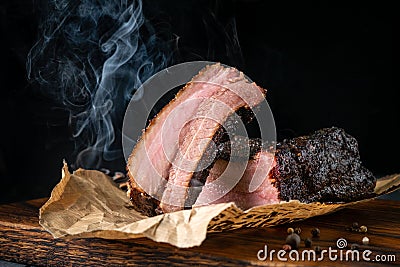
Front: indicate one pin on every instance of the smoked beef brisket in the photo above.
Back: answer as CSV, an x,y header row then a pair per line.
x,y
185,158
171,149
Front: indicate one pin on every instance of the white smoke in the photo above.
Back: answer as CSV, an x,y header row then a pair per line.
x,y
90,58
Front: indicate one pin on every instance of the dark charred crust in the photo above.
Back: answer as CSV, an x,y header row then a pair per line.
x,y
239,148
324,166
142,202
246,114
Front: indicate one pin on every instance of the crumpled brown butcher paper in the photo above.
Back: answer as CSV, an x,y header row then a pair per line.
x,y
88,203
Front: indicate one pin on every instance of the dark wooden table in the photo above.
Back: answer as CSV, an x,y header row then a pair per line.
x,y
22,240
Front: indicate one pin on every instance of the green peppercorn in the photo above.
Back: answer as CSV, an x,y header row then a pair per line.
x,y
363,229
308,242
315,232
290,230
297,230
293,240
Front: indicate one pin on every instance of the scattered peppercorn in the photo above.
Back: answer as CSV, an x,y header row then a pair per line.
x,y
308,242
293,240
355,228
297,230
290,230
317,249
365,240
355,246
287,247
315,232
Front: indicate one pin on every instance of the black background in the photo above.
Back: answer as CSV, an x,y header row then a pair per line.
x,y
324,64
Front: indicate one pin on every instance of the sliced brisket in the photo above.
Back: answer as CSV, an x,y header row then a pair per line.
x,y
227,91
171,149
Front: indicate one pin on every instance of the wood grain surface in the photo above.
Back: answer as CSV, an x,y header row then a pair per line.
x,y
23,240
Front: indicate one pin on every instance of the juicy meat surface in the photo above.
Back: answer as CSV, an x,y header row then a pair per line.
x,y
221,186
171,148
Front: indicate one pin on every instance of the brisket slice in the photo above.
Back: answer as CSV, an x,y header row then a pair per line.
x,y
221,150
228,90
149,206
163,162
324,166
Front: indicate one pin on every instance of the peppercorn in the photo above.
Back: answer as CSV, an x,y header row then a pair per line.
x,y
365,240
317,249
363,229
308,242
290,230
293,240
297,230
315,232
355,246
287,247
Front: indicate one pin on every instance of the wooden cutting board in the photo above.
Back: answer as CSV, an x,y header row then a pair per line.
x,y
23,240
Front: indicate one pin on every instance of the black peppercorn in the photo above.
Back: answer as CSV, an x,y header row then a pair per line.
x,y
308,242
293,240
355,225
297,230
315,232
